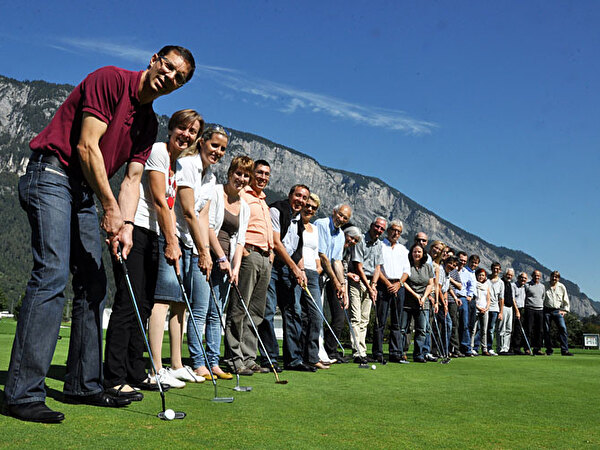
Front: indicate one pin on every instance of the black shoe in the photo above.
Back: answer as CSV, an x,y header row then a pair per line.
x,y
244,371
395,359
103,399
373,359
538,353
567,353
518,352
419,360
302,368
35,412
360,360
460,355
152,387
506,353
275,366
549,352
134,396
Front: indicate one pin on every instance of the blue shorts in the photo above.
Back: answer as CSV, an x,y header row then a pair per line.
x,y
167,285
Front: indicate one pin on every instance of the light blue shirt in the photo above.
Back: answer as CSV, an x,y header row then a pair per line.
x,y
331,239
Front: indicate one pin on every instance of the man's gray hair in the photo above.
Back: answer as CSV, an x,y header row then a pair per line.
x,y
395,223
510,270
339,205
378,218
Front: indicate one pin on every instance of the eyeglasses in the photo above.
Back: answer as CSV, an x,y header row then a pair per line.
x,y
395,230
421,240
215,128
180,78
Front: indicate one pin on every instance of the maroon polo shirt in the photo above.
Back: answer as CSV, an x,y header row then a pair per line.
x,y
110,94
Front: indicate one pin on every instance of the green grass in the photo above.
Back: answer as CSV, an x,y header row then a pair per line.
x,y
503,402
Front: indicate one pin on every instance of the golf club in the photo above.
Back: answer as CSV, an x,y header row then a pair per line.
x,y
161,415
237,375
262,346
199,337
444,359
324,319
525,336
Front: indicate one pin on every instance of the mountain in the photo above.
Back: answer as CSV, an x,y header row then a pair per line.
x,y
27,106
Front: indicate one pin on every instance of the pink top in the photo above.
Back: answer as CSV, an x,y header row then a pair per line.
x,y
110,94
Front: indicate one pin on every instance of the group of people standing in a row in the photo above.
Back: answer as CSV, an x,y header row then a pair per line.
x,y
181,235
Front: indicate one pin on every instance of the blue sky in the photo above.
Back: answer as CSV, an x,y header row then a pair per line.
x,y
485,112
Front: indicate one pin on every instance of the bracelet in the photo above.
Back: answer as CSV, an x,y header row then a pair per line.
x,y
129,222
222,259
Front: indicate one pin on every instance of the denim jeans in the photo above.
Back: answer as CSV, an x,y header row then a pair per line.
x,y
312,322
64,236
444,323
200,290
213,319
463,326
554,315
479,328
491,329
421,317
385,303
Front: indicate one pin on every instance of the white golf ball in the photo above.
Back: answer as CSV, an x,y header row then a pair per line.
x,y
373,367
169,414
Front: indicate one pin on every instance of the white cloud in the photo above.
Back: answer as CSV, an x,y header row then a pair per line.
x,y
284,98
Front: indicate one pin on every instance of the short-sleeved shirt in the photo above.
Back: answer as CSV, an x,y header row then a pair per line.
x,y
260,228
496,294
159,161
368,253
111,95
291,238
331,239
188,173
395,260
519,295
418,281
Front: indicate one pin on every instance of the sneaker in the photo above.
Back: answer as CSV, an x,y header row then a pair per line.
x,y
492,353
474,353
567,353
186,373
165,377
430,357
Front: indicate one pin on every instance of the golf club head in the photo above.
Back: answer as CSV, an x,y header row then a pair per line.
x,y
445,361
242,388
281,382
364,366
178,415
223,399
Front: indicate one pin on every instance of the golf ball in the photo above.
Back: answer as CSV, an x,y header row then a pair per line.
x,y
169,414
373,367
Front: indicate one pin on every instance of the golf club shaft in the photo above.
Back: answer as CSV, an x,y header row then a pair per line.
x,y
525,336
323,317
262,345
140,323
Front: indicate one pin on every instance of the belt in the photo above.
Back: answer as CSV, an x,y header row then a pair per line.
x,y
48,158
260,251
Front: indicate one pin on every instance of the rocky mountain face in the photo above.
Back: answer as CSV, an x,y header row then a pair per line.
x,y
26,107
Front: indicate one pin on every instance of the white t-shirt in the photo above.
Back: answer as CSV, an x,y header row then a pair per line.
x,y
189,174
482,291
145,215
310,250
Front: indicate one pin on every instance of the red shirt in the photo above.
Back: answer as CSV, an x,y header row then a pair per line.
x,y
111,95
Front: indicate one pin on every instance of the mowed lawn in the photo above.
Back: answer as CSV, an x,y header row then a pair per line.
x,y
500,402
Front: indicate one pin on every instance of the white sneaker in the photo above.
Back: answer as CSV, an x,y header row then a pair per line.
x,y
473,352
166,378
186,374
493,353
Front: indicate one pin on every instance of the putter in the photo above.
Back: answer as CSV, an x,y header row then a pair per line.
x,y
445,359
262,346
216,398
324,319
161,414
237,387
525,336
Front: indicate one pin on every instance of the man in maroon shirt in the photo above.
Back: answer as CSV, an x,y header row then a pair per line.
x,y
105,122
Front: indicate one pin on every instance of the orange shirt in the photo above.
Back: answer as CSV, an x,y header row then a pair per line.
x,y
260,229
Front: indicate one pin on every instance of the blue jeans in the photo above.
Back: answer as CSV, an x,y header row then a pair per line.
x,y
213,319
200,290
491,329
312,322
444,324
385,302
421,317
463,326
64,236
554,315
